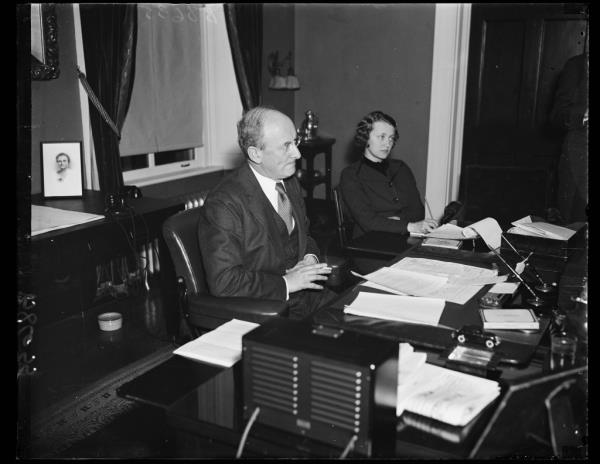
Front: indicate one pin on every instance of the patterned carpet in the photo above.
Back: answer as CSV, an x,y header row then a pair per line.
x,y
68,422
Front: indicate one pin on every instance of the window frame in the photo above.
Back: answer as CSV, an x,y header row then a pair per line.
x,y
201,162
213,155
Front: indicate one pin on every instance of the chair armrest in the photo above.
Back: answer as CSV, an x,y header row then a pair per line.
x,y
247,309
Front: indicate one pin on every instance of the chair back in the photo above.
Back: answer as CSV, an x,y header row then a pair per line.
x,y
180,232
345,225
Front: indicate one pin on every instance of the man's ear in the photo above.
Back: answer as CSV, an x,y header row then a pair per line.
x,y
255,155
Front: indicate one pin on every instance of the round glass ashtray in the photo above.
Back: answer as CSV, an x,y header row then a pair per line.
x,y
110,321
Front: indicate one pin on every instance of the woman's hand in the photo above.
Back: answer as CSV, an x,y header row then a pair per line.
x,y
422,227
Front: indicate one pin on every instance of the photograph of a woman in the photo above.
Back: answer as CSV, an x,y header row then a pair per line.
x,y
61,169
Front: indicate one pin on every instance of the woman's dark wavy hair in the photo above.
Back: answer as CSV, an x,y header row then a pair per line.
x,y
365,126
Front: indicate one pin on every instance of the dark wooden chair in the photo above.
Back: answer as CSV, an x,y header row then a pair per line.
x,y
200,311
374,244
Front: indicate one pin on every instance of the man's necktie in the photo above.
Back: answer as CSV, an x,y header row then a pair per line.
x,y
284,207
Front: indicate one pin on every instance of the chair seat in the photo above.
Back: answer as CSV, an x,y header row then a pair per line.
x,y
210,311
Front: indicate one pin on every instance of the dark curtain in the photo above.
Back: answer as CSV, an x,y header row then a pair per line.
x,y
245,30
109,40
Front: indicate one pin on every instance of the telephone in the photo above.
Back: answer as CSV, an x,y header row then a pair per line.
x,y
454,210
116,203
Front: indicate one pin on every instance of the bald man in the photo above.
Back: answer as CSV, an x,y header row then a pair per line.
x,y
254,232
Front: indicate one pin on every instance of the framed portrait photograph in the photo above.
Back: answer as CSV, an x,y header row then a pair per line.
x,y
62,170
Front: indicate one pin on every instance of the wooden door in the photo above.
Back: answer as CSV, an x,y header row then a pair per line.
x,y
516,53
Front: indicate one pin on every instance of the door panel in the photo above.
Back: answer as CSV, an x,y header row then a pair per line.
x,y
516,54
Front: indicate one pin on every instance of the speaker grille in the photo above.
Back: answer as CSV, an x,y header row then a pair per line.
x,y
274,380
336,394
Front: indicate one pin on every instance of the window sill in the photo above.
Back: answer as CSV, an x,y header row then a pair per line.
x,y
166,177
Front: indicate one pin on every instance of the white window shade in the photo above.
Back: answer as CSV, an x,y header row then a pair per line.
x,y
165,112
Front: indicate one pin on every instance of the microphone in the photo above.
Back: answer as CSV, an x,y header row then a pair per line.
x,y
534,300
543,286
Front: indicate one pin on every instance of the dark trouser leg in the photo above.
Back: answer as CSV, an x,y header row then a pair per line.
x,y
305,302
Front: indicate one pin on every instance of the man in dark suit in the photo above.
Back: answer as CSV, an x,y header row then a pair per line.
x,y
570,114
253,232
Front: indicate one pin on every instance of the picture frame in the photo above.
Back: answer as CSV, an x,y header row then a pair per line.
x,y
62,169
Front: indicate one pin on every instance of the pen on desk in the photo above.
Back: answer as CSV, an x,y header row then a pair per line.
x,y
428,208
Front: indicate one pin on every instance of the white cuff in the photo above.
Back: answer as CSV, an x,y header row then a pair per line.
x,y
287,292
313,255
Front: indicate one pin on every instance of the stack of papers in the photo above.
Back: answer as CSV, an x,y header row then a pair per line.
x,y
221,346
447,231
397,308
406,282
526,226
509,319
45,219
442,394
455,273
432,278
488,229
442,242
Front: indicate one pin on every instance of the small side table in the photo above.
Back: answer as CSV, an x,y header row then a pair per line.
x,y
309,149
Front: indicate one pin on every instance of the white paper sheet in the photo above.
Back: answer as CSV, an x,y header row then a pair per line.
x,y
489,230
445,395
505,287
221,346
409,364
455,293
454,272
416,310
526,226
45,219
411,283
446,231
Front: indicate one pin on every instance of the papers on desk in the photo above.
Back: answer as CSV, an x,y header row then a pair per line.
x,y
455,273
526,226
509,318
488,229
453,282
45,219
407,282
446,231
442,243
442,394
221,346
409,309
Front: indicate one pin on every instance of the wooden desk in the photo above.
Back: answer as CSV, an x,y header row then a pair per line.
x,y
518,348
64,261
204,407
309,149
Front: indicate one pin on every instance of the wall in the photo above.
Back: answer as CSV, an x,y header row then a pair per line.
x,y
278,35
55,107
353,59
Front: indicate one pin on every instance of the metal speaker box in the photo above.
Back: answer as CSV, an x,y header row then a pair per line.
x,y
313,381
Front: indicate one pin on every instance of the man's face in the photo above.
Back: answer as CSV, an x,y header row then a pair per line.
x,y
62,162
279,152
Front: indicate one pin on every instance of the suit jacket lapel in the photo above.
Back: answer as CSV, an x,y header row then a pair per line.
x,y
259,207
295,197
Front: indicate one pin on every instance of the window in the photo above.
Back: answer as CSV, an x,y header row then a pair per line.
x,y
220,110
163,131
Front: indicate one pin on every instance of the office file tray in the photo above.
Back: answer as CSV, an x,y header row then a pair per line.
x,y
515,348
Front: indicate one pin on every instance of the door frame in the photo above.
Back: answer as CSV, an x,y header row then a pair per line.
x,y
447,105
